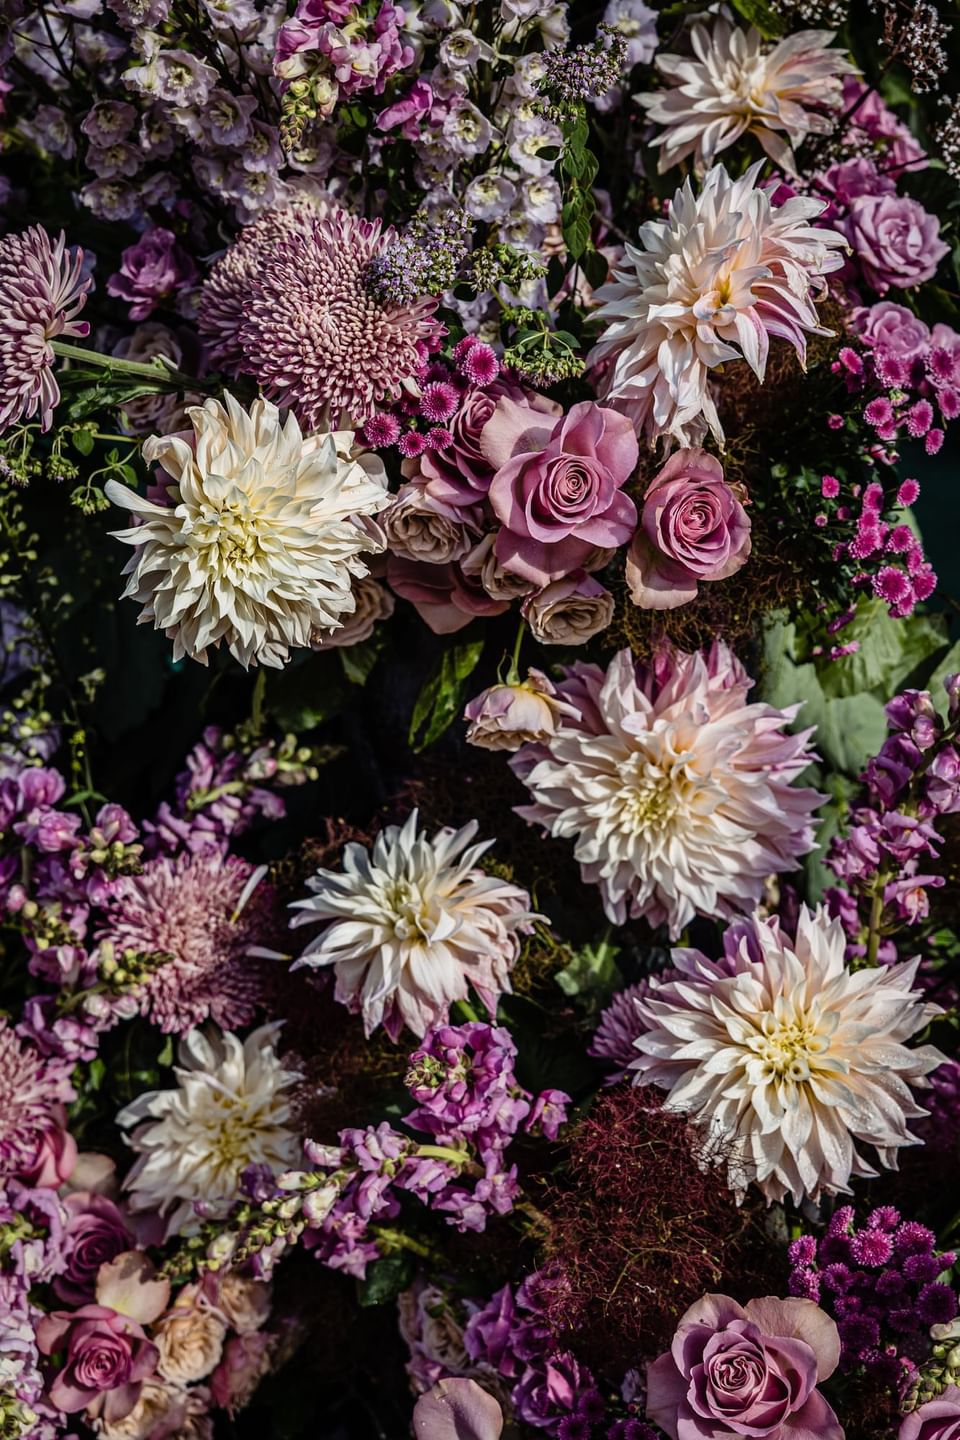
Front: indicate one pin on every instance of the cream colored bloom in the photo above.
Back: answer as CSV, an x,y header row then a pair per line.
x,y
722,275
231,1109
261,535
411,925
189,1339
736,84
787,1058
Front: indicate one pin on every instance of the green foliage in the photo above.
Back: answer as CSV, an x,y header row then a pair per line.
x,y
763,16
442,697
592,976
386,1278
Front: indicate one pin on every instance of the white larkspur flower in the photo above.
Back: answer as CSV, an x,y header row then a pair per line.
x,y
715,281
736,84
788,1058
231,1108
260,537
409,926
675,789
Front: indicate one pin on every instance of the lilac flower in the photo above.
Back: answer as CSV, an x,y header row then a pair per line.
x,y
42,291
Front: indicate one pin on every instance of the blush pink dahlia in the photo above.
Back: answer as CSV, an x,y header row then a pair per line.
x,y
725,273
33,1088
674,788
42,291
786,1057
289,305
199,915
411,924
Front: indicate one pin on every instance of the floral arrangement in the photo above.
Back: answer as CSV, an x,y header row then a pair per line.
x,y
479,724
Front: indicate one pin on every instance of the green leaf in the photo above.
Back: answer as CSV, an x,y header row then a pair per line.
x,y
595,267
441,699
304,695
592,974
949,665
759,13
83,442
358,660
888,651
386,1278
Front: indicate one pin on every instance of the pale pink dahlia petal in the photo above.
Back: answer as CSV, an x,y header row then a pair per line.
x,y
42,290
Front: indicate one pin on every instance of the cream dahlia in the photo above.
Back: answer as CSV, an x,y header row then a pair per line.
x,y
787,1057
676,791
725,272
260,537
409,926
231,1108
736,84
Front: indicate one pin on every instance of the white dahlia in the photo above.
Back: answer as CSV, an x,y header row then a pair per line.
x,y
787,1057
724,273
736,84
231,1109
411,925
260,535
675,789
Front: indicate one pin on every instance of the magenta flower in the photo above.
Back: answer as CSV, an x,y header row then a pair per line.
x,y
107,1357
557,489
151,271
692,528
749,1371
938,1419
896,241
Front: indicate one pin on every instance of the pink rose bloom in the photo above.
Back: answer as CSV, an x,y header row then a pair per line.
x,y
457,1409
95,1234
896,241
246,1359
852,178
891,328
750,1371
443,596
151,271
692,528
107,1359
569,611
56,1156
504,717
557,488
938,1419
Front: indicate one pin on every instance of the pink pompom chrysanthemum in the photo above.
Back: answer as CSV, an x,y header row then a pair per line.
x,y
33,1087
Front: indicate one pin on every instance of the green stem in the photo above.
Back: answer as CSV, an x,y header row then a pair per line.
x,y
116,439
876,914
513,674
443,1152
161,372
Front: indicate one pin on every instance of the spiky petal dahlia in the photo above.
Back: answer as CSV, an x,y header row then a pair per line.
x,y
197,917
33,1088
232,1107
674,788
42,291
788,1058
736,84
303,322
715,281
261,535
411,925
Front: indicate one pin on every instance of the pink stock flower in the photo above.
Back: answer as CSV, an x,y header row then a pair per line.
x,y
558,488
692,528
895,240
746,1371
107,1357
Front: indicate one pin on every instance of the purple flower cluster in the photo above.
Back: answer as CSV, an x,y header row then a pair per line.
x,y
362,55
884,554
880,1282
424,260
430,421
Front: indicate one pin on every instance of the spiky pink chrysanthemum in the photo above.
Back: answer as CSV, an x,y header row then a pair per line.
x,y
676,790
289,305
620,1024
32,1088
204,913
42,290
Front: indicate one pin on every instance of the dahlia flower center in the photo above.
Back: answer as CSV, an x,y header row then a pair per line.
x,y
414,914
789,1048
234,532
648,799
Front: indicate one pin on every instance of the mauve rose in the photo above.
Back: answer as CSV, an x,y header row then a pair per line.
x,y
95,1232
692,528
504,717
896,241
938,1419
557,490
443,596
750,1371
421,527
457,1409
499,584
372,603
569,611
56,1156
107,1356
891,328
151,271
850,179
246,1359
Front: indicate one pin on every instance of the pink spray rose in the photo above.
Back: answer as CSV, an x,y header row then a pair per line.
x,y
56,1155
151,271
896,241
938,1419
891,329
750,1371
557,488
507,716
692,528
107,1357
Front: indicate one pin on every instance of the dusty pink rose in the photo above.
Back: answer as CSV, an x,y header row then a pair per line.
x,y
151,272
896,241
557,488
107,1356
569,611
56,1157
891,328
504,717
95,1233
444,597
751,1371
938,1419
692,528
457,1410
246,1359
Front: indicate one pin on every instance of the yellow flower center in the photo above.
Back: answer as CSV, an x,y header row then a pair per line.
x,y
787,1047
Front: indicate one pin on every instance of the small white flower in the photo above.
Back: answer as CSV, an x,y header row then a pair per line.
x,y
231,1109
261,537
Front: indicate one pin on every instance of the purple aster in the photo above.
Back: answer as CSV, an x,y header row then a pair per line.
x,y
204,913
32,1090
42,290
